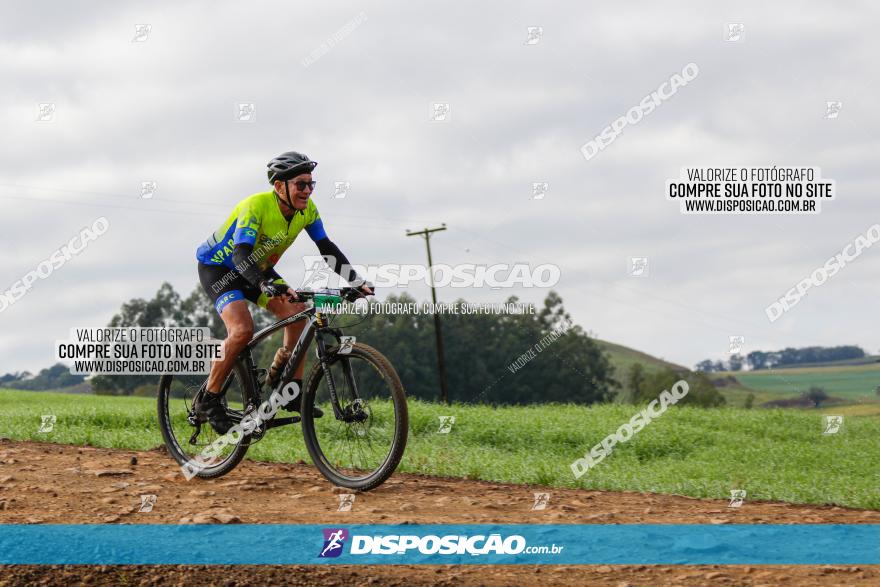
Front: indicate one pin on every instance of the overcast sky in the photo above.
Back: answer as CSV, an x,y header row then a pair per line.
x,y
164,109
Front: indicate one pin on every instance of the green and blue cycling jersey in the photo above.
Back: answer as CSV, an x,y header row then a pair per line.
x,y
257,221
242,253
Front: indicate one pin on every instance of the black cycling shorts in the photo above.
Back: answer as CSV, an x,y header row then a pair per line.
x,y
224,285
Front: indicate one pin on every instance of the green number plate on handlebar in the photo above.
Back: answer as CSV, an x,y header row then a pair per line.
x,y
327,300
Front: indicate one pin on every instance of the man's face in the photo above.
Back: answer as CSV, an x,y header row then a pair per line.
x,y
300,190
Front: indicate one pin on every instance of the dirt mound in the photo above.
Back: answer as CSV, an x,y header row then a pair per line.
x,y
48,483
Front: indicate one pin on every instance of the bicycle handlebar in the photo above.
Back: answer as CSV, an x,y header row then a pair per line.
x,y
349,294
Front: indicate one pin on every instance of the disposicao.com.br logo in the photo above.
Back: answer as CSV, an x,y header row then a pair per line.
x,y
452,544
334,541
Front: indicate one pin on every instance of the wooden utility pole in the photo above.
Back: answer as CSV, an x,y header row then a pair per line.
x,y
441,363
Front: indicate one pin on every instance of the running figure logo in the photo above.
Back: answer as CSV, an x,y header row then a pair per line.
x,y
341,189
46,112
446,423
737,496
346,343
334,540
47,423
346,502
148,189
539,189
832,424
142,33
541,501
736,344
638,266
147,503
534,35
735,32
439,111
316,275
832,109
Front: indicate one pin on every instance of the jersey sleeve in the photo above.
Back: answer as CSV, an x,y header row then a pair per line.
x,y
314,224
247,225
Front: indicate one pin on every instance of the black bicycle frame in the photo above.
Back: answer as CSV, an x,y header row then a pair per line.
x,y
312,318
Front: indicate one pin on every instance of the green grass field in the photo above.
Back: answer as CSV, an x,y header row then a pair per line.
x,y
851,382
773,454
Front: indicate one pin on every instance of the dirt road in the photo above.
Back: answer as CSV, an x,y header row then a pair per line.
x,y
47,483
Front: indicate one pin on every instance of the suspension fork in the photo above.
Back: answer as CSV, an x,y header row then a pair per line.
x,y
325,365
348,374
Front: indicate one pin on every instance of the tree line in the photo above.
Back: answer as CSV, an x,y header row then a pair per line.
x,y
479,349
54,377
756,360
491,358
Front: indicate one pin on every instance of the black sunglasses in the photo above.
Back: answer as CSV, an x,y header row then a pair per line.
x,y
301,185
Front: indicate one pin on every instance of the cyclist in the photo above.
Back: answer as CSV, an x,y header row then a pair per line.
x,y
237,263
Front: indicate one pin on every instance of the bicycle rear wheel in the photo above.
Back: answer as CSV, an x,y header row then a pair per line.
x,y
362,452
189,444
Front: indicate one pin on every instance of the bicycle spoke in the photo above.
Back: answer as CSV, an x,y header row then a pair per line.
x,y
357,448
183,389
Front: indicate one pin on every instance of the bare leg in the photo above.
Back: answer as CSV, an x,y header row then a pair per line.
x,y
239,330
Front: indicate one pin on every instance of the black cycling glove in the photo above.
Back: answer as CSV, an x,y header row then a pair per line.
x,y
273,289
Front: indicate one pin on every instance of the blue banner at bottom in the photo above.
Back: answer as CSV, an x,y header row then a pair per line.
x,y
501,544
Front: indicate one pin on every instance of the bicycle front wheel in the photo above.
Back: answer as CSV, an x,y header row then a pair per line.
x,y
363,448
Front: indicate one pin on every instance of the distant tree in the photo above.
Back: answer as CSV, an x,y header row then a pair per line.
x,y
14,376
55,377
701,392
635,380
144,391
481,351
719,366
560,362
757,360
750,401
787,356
736,362
817,395
705,366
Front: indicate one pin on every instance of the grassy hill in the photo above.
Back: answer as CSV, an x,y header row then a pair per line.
x,y
623,357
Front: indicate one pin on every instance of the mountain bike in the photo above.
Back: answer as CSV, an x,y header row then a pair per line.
x,y
358,442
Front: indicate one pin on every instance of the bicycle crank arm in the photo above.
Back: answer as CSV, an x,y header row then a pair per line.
x,y
276,422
